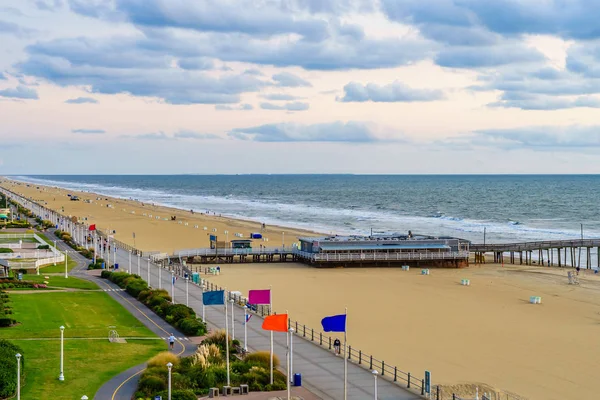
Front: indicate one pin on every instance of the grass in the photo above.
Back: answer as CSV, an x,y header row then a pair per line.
x,y
60,281
59,267
88,363
84,314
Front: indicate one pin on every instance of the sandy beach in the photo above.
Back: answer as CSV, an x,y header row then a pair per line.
x,y
484,333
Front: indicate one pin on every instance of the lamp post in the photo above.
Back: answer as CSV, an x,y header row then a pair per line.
x,y
187,294
148,271
245,328
159,277
291,354
139,268
18,376
375,376
169,365
61,377
129,261
232,321
283,239
55,250
66,272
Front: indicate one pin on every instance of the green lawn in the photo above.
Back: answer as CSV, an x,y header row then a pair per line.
x,y
88,363
59,267
60,281
84,314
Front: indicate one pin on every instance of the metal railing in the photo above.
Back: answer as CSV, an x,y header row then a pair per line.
x,y
406,256
526,246
356,356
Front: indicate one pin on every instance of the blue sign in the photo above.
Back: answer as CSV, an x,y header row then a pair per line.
x,y
213,237
157,397
427,382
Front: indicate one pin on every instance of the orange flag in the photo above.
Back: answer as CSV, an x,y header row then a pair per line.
x,y
277,323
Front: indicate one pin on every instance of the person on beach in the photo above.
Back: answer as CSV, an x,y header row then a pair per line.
x,y
336,346
171,341
578,269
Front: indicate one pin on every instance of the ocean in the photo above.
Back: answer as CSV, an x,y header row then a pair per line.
x,y
509,207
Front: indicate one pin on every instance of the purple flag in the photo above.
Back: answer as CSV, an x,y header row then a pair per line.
x,y
259,296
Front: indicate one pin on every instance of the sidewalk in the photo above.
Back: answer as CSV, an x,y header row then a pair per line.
x,y
322,371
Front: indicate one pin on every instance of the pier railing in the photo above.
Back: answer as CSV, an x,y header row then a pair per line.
x,y
406,256
528,246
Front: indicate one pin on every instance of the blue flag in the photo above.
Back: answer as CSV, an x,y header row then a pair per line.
x,y
335,323
214,298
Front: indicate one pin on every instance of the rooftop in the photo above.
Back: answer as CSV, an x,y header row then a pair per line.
x,y
374,238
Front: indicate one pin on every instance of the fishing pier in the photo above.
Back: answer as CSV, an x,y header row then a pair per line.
x,y
561,253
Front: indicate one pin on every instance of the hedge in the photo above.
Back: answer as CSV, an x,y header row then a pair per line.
x,y
6,250
8,372
180,316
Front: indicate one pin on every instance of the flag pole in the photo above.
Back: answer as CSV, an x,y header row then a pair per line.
x,y
226,336
345,357
288,357
173,287
270,313
95,246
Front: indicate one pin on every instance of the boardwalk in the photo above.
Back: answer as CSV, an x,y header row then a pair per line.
x,y
322,371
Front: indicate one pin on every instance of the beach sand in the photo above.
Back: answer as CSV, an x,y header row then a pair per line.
x,y
484,333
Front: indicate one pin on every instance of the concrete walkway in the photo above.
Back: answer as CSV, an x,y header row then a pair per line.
x,y
322,371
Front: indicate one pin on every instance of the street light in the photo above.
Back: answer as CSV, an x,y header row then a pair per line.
x,y
55,249
129,261
61,377
187,295
291,354
232,321
375,376
169,365
245,328
66,272
18,376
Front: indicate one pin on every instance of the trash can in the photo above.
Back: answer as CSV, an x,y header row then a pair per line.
x,y
297,379
102,265
116,267
196,277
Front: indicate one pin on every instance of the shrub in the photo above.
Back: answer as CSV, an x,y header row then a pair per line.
x,y
262,358
44,247
6,250
8,372
179,395
106,274
180,311
5,322
161,360
191,327
150,384
135,287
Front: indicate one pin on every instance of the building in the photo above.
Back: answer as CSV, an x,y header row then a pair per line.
x,y
4,269
384,250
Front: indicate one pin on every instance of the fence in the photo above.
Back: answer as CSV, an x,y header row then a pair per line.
x,y
358,357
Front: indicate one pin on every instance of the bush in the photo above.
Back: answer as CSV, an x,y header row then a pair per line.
x,y
161,360
191,327
179,395
135,287
180,311
106,274
44,247
8,372
262,358
150,384
5,322
6,250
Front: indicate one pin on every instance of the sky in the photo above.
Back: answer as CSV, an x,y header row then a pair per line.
x,y
299,86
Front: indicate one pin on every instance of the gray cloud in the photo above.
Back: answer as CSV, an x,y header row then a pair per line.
x,y
279,96
393,92
353,132
49,5
286,79
294,106
196,63
89,131
20,92
526,101
194,135
14,29
81,100
540,137
239,107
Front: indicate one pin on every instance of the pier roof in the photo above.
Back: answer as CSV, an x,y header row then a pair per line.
x,y
359,246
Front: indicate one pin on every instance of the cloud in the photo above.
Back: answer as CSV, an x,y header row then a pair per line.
x,y
49,5
20,92
253,71
540,137
2,77
279,96
14,29
194,135
352,132
110,68
294,106
152,136
483,57
196,64
89,131
286,79
81,100
526,101
393,92
240,107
